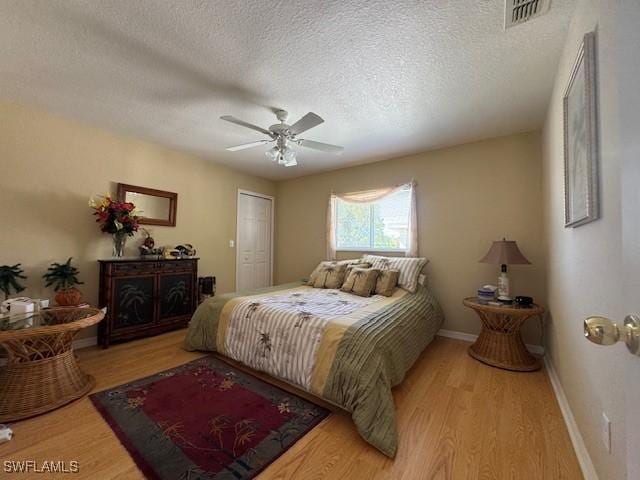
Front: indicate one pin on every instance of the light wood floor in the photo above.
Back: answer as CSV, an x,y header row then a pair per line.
x,y
457,419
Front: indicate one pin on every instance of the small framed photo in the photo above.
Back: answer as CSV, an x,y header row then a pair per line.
x,y
581,179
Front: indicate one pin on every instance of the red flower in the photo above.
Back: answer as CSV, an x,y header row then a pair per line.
x,y
111,212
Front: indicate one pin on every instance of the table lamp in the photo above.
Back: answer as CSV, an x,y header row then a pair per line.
x,y
504,252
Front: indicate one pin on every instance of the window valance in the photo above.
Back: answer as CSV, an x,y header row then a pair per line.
x,y
369,197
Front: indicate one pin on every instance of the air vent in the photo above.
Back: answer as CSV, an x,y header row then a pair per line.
x,y
520,11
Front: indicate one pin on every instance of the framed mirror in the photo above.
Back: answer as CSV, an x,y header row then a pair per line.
x,y
157,206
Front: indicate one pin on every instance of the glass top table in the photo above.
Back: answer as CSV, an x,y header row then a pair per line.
x,y
45,318
42,372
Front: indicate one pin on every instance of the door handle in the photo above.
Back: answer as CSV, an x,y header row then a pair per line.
x,y
602,331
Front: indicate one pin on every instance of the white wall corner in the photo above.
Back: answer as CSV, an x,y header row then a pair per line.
x,y
584,459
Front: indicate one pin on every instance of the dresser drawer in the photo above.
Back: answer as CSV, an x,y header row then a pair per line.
x,y
133,268
176,265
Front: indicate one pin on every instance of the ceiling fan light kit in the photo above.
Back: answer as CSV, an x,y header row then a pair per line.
x,y
284,156
284,135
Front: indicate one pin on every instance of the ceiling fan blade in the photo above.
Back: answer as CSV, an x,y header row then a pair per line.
x,y
232,119
310,120
323,147
248,145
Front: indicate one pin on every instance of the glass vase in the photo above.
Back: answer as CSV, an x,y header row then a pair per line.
x,y
119,242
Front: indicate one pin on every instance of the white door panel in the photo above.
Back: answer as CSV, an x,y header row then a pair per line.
x,y
621,151
246,272
254,242
261,274
628,70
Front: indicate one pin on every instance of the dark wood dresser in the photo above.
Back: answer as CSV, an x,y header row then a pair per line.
x,y
146,297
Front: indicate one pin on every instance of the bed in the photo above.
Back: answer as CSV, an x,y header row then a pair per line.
x,y
346,349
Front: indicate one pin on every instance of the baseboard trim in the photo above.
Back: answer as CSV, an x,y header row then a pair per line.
x,y
85,342
470,337
584,459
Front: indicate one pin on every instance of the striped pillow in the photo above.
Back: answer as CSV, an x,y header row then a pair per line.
x,y
409,267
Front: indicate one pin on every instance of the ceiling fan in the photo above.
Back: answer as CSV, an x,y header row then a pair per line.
x,y
285,136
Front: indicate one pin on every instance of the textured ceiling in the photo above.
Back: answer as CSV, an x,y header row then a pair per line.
x,y
389,78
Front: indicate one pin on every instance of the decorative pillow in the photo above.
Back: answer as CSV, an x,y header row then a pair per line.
x,y
325,263
386,282
409,267
330,276
351,266
361,281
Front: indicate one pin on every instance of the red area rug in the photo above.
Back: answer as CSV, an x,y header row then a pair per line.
x,y
205,420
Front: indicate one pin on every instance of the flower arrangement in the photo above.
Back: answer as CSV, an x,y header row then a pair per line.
x,y
120,219
115,217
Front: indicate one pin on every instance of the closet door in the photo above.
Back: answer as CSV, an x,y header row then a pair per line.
x,y
254,238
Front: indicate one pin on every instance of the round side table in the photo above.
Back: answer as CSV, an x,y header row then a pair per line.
x,y
42,373
499,343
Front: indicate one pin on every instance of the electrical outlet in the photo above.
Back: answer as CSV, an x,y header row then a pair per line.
x,y
232,243
606,432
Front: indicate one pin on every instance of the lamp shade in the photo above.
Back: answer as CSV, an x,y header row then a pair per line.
x,y
505,252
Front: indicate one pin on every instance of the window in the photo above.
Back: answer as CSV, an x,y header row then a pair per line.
x,y
380,225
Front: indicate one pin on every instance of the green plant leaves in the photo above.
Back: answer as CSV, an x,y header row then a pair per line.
x,y
62,276
9,276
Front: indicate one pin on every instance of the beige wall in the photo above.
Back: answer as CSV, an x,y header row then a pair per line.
x,y
468,196
49,167
584,264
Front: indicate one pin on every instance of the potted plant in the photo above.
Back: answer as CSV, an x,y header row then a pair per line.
x,y
64,277
9,276
120,219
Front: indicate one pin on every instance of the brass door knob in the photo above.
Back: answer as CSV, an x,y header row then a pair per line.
x,y
602,331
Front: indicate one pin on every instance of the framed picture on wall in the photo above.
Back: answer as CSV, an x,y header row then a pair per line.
x,y
581,180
